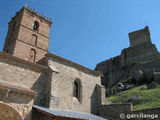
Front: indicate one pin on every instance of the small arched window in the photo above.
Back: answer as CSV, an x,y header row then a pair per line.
x,y
32,55
34,40
77,90
36,25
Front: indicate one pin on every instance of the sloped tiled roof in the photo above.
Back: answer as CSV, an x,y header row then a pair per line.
x,y
70,114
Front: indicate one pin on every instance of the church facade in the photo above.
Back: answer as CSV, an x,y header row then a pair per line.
x,y
32,78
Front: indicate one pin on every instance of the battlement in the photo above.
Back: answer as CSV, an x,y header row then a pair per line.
x,y
139,37
33,12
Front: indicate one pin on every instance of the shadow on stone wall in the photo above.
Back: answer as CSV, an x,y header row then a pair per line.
x,y
40,87
97,98
94,105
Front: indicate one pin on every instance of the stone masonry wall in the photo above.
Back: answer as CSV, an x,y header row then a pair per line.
x,y
139,37
12,34
125,112
24,75
29,18
20,102
19,38
151,111
62,88
23,44
143,52
113,111
21,47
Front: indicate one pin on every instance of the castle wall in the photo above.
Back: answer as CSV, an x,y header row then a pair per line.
x,y
139,37
141,55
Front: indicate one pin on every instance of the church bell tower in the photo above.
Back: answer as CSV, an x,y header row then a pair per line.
x,y
28,35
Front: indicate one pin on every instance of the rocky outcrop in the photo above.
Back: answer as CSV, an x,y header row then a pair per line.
x,y
134,100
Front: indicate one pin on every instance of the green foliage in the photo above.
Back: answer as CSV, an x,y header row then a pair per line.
x,y
150,98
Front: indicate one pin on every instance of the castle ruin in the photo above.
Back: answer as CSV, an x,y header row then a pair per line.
x,y
140,60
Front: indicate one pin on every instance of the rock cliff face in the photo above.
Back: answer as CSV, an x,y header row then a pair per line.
x,y
138,62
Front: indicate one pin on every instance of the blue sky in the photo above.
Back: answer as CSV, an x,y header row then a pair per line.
x,y
89,31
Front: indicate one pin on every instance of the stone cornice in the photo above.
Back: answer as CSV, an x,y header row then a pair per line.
x,y
78,66
36,66
9,87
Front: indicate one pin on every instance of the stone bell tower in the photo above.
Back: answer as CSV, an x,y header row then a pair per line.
x,y
28,35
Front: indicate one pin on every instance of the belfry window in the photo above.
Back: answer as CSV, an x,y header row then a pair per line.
x,y
36,25
32,55
77,90
34,40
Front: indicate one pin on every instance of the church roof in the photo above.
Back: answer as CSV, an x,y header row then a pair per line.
x,y
78,66
69,114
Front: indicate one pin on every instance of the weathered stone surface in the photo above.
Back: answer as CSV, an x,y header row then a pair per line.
x,y
120,86
114,111
108,103
139,61
16,102
139,37
19,41
13,72
149,75
143,88
152,85
138,76
62,84
8,113
134,100
129,86
157,77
